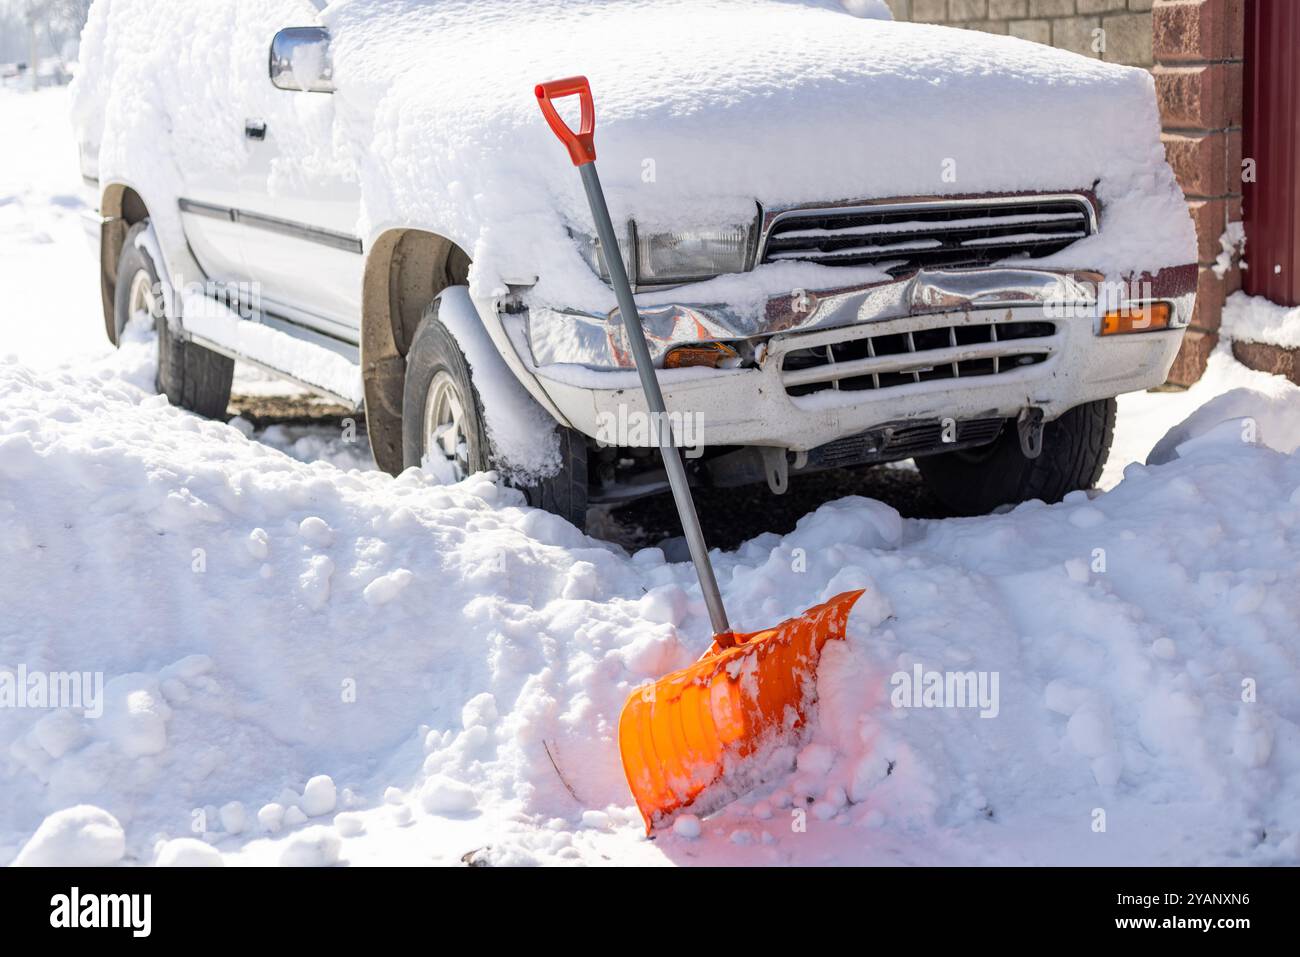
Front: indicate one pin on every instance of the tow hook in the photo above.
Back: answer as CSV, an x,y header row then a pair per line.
x,y
1030,427
777,469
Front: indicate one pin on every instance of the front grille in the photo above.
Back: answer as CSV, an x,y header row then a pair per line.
x,y
903,440
901,238
886,360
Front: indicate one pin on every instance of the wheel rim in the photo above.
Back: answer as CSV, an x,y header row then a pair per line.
x,y
445,438
142,303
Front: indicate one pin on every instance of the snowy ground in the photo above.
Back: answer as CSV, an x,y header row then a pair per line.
x,y
454,662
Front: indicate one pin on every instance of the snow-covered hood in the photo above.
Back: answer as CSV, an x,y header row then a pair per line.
x,y
706,106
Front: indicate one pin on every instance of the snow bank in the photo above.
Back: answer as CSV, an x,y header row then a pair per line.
x,y
472,713
1145,418
1256,319
775,101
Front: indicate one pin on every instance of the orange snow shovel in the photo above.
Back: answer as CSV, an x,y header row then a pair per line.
x,y
706,727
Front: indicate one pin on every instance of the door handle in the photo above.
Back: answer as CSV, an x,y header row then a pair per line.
x,y
255,130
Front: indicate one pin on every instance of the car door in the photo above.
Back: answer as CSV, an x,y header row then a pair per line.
x,y
298,195
212,176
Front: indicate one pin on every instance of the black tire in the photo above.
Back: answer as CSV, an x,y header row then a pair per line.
x,y
434,351
191,376
976,481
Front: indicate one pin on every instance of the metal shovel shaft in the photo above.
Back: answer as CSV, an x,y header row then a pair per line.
x,y
655,400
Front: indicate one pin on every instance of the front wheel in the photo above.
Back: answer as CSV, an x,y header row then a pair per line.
x,y
191,376
976,481
444,429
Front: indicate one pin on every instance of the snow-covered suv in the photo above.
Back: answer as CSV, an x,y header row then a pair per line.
x,y
852,240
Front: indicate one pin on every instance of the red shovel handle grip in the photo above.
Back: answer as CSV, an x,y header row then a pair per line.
x,y
581,145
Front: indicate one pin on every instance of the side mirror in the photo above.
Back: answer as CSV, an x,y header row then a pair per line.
x,y
300,60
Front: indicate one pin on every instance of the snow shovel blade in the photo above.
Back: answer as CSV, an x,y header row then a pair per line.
x,y
696,727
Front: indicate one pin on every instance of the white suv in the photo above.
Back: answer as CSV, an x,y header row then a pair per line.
x,y
329,204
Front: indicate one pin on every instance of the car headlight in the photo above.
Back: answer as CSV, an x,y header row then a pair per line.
x,y
686,255
678,256
589,246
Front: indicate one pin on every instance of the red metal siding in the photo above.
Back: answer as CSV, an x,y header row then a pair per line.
x,y
1271,137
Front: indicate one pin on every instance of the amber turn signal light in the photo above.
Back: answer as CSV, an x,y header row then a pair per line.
x,y
710,354
1144,318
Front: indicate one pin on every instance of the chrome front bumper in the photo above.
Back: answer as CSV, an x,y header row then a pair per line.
x,y
766,404
596,341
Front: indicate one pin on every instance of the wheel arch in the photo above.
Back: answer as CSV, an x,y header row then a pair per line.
x,y
120,206
406,268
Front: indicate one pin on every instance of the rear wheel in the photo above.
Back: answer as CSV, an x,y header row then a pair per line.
x,y
976,481
444,429
191,376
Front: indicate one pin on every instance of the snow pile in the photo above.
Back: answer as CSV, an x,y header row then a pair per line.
x,y
1256,319
339,666
1146,418
776,101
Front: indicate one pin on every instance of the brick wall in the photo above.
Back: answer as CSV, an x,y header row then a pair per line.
x,y
1115,30
1198,47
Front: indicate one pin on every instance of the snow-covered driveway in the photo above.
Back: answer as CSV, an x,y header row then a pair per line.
x,y
455,662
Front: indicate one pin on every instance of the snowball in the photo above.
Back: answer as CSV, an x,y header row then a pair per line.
x,y
596,820
233,817
81,836
319,796
259,544
349,824
687,826
188,852
271,817
317,846
443,795
316,531
387,587
135,715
